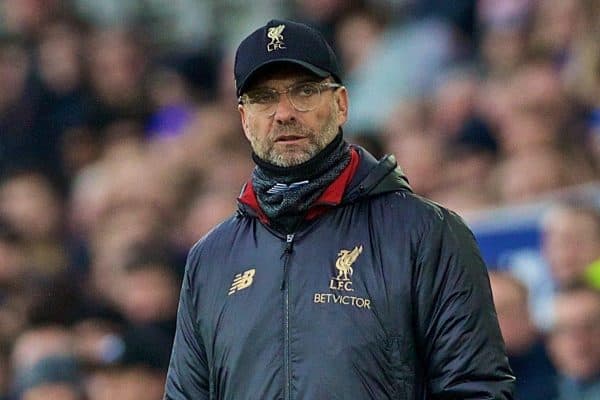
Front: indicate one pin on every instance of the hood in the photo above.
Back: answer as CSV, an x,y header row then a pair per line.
x,y
375,177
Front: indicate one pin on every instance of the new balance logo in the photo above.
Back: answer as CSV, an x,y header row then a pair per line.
x,y
242,281
282,187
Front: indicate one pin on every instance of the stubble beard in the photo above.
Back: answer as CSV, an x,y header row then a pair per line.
x,y
284,155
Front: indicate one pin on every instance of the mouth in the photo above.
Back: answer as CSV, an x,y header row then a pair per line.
x,y
289,138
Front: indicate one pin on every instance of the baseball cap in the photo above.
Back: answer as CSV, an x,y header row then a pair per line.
x,y
284,41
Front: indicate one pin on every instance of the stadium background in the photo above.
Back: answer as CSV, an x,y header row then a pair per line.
x,y
120,146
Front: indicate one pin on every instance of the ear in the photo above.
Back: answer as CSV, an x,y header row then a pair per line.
x,y
341,99
244,119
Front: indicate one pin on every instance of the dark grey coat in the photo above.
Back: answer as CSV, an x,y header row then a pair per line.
x,y
385,296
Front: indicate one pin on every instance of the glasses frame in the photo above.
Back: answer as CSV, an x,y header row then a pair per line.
x,y
244,99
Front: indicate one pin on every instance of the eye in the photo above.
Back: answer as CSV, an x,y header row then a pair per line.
x,y
263,97
306,90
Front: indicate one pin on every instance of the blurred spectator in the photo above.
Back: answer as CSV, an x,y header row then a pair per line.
x,y
139,372
580,72
20,142
421,157
356,35
97,338
172,101
31,204
39,343
63,100
12,265
324,15
570,243
206,210
503,34
125,383
524,344
470,157
123,229
494,99
555,24
529,175
53,391
454,100
51,378
59,57
27,17
13,272
408,116
149,290
386,78
117,64
575,343
539,95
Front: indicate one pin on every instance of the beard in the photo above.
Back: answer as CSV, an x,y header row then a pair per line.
x,y
283,154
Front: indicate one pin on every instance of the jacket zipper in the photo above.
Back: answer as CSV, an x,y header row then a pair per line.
x,y
289,244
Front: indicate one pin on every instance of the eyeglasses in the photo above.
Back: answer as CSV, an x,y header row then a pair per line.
x,y
304,96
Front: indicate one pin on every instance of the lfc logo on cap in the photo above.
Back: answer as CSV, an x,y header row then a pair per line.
x,y
276,37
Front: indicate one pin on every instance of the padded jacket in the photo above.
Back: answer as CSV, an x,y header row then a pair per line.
x,y
383,296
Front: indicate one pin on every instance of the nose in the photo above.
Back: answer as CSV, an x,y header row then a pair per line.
x,y
284,110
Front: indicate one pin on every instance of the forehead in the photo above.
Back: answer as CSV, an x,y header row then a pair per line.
x,y
281,73
566,219
507,289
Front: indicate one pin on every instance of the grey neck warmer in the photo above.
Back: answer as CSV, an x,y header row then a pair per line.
x,y
286,193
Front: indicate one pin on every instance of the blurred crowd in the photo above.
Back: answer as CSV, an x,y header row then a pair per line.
x,y
120,146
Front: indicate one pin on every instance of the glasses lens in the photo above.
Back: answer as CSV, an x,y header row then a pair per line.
x,y
305,96
262,99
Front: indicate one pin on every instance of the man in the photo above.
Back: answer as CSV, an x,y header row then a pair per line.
x,y
55,377
570,245
575,343
333,280
525,345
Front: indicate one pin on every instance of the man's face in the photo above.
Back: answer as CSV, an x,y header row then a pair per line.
x,y
575,338
510,299
285,136
570,242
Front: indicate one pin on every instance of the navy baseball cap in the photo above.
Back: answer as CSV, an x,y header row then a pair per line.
x,y
284,41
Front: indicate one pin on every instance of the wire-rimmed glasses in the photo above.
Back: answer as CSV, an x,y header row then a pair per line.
x,y
304,96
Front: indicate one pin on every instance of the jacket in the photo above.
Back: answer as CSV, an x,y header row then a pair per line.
x,y
383,296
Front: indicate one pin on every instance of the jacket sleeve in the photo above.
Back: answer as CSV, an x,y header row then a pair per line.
x,y
188,374
462,348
